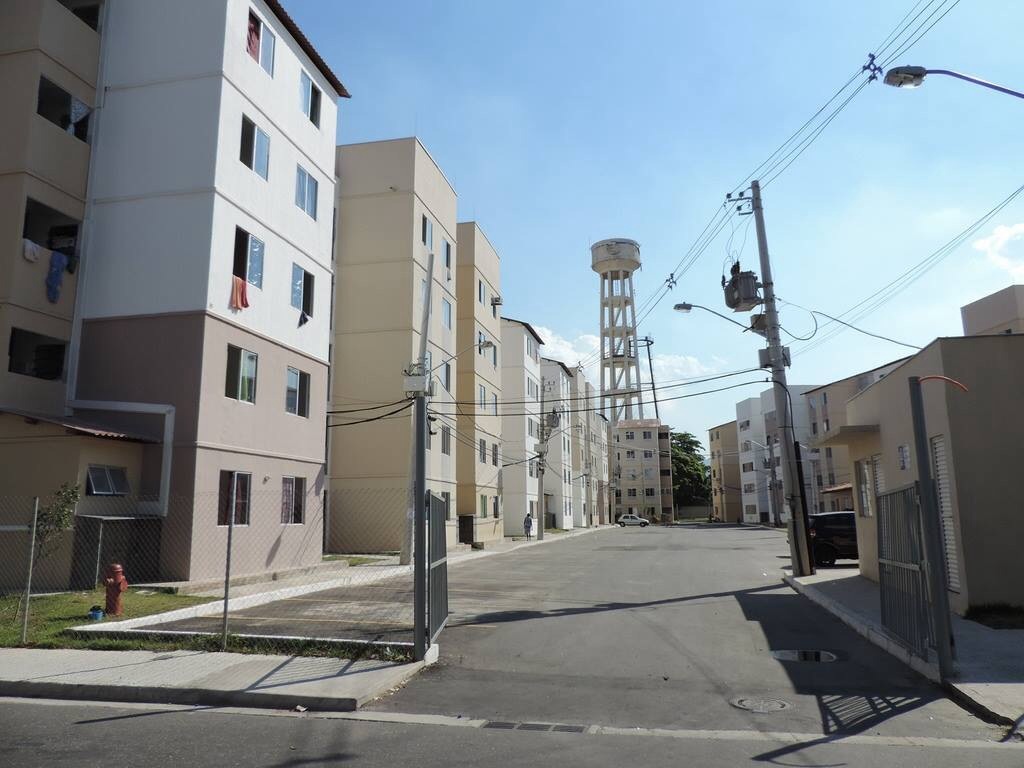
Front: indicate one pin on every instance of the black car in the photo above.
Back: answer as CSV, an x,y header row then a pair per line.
x,y
833,537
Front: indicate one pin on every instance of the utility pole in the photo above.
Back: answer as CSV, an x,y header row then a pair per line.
x,y
648,341
542,455
799,551
774,480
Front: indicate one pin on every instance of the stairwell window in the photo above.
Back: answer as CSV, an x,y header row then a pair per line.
x,y
483,451
446,497
483,505
483,396
310,98
302,290
306,188
296,397
494,454
255,148
447,379
241,375
233,498
293,500
260,43
106,481
494,404
427,231
248,257
446,440
446,313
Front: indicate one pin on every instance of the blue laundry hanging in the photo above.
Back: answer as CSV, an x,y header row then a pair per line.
x,y
55,275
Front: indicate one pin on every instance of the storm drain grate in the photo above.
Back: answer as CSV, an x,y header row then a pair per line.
x,y
569,728
499,724
535,726
505,725
822,656
759,705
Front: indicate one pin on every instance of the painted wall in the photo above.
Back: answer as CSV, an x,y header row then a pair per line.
x,y
518,488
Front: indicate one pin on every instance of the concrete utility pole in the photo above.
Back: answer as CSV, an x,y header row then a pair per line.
x,y
542,456
648,341
799,551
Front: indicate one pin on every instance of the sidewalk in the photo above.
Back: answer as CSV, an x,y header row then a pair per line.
x,y
990,662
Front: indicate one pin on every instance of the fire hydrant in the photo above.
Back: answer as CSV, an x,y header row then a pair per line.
x,y
116,585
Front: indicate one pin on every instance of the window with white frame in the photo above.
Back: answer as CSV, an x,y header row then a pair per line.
x,y
648,491
648,435
296,397
648,454
446,253
309,96
240,381
630,435
631,492
106,481
293,500
483,505
306,188
254,151
427,231
494,404
446,314
260,43
446,497
302,290
630,454
233,498
494,454
483,396
480,291
446,440
446,378
248,262
483,451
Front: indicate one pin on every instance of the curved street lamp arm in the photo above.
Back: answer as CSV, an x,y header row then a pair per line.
x,y
976,81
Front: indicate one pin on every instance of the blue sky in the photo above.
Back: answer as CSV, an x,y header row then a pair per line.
x,y
561,123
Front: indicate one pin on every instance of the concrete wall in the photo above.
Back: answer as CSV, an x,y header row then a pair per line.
x,y
999,312
518,488
726,494
557,476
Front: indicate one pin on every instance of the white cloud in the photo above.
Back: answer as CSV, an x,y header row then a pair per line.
x,y
673,367
1001,250
583,348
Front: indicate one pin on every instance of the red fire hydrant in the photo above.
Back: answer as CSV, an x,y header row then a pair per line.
x,y
116,585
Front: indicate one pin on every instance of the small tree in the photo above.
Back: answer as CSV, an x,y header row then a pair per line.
x,y
56,517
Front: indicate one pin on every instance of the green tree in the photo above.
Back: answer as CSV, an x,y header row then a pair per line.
x,y
691,476
56,517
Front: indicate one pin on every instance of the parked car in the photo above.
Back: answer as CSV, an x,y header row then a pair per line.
x,y
833,537
625,520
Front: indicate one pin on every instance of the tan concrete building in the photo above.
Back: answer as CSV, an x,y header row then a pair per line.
x,y
999,312
973,439
479,451
589,433
394,207
643,469
726,496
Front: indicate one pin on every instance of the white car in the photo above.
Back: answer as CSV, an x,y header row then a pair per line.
x,y
625,520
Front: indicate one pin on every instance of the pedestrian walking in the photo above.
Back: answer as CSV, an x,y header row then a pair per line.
x,y
528,526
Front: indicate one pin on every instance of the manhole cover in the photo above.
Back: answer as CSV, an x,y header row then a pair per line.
x,y
758,705
822,656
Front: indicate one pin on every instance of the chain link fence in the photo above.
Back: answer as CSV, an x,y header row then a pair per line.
x,y
286,569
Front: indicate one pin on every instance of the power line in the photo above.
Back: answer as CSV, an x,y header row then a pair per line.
x,y
907,45
814,312
373,418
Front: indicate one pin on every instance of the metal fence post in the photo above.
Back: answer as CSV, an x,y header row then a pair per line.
x,y
227,572
31,563
419,569
99,557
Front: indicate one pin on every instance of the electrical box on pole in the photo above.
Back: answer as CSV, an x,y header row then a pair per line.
x,y
741,290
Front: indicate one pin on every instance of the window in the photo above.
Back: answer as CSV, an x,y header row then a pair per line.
x,y
446,313
446,252
446,496
750,509
531,468
494,356
483,451
648,435
241,375
89,13
310,98
32,354
255,148
302,290
747,467
106,481
494,307
631,492
260,43
818,481
305,191
63,110
630,435
233,499
483,505
831,478
744,425
648,454
447,380
427,232
533,389
814,427
530,430
824,398
494,454
666,473
749,487
480,291
428,442
828,453
293,500
446,440
648,491
630,454
827,425
296,397
483,396
248,257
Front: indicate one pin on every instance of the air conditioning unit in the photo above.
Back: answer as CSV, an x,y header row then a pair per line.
x,y
496,301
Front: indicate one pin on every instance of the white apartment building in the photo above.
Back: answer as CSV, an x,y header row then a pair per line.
x,y
558,503
641,459
589,454
394,208
478,371
752,439
520,422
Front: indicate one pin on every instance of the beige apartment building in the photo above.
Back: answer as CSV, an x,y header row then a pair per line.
x,y
394,208
479,449
643,469
726,497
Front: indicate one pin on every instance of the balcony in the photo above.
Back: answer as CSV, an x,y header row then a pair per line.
x,y
52,27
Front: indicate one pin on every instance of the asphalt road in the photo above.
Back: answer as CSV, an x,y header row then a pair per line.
x,y
640,638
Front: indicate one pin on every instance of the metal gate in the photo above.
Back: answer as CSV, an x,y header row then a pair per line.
x,y
437,567
906,611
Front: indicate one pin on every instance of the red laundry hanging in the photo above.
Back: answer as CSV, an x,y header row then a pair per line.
x,y
239,293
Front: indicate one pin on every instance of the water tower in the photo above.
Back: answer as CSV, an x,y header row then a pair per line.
x,y
615,260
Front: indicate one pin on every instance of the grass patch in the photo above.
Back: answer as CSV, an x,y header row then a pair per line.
x,y
52,614
353,560
997,615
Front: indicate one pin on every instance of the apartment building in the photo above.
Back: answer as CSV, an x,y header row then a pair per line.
x,y
642,467
1001,312
589,436
826,409
725,473
973,440
478,371
520,422
394,208
754,461
558,503
188,271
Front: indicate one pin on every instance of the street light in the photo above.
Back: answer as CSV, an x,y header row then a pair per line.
x,y
913,77
685,307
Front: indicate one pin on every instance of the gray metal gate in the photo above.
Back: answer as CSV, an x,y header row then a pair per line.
x,y
906,611
437,568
